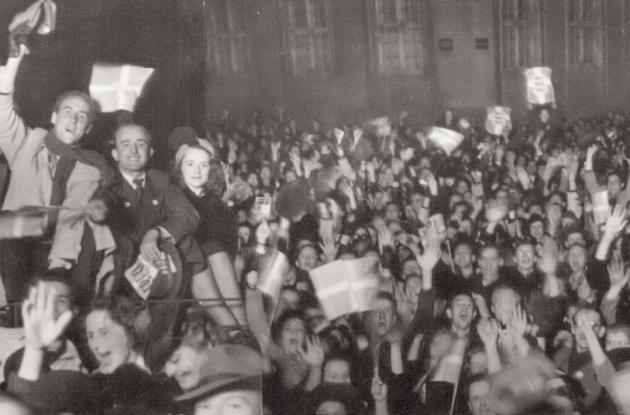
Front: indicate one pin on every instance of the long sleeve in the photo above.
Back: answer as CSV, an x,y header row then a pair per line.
x,y
181,216
13,131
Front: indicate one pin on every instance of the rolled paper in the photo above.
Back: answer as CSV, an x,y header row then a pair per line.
x,y
601,206
539,87
346,286
118,87
498,120
448,140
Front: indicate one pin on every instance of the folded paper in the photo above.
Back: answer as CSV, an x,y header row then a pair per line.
x,y
22,224
539,87
346,286
498,121
118,87
142,274
448,140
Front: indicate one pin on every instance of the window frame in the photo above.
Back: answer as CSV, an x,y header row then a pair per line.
x,y
234,36
528,29
291,32
581,26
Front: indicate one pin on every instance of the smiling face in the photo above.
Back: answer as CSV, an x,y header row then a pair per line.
x,y
478,393
71,120
184,366
462,311
107,340
133,149
195,169
525,258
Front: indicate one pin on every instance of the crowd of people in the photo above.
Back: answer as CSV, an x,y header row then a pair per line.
x,y
502,266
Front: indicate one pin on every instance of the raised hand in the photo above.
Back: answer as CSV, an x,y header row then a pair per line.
x,y
616,221
488,330
313,354
430,257
481,304
618,276
41,327
517,325
378,389
262,232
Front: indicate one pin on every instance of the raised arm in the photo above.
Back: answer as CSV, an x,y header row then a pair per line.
x,y
13,131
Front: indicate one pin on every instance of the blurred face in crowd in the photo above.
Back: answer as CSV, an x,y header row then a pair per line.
x,y
238,402
504,302
72,120
392,212
525,258
289,300
489,262
478,362
307,258
617,339
413,287
575,238
544,115
292,335
244,233
383,316
478,393
440,345
463,256
537,230
576,257
195,169
107,340
614,185
594,320
184,366
461,187
133,149
462,311
331,408
386,177
410,268
337,371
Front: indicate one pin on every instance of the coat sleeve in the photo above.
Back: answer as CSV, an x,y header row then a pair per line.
x,y
81,185
13,131
181,217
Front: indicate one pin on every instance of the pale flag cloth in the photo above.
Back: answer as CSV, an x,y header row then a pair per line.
x,y
117,87
601,206
498,120
382,125
539,87
270,281
31,16
346,286
448,140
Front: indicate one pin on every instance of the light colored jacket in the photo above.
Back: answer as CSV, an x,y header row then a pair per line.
x,y
31,180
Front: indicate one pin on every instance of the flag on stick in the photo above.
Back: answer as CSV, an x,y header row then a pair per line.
x,y
346,286
498,121
117,87
448,140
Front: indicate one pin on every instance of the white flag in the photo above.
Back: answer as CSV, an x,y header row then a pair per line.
x,y
539,87
498,121
382,125
117,87
346,286
447,140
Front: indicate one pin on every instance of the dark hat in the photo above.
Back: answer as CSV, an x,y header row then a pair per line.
x,y
181,136
619,357
228,366
293,199
533,219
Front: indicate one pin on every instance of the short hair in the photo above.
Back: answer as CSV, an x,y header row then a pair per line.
x,y
385,295
77,94
282,320
458,293
126,124
505,287
60,276
122,311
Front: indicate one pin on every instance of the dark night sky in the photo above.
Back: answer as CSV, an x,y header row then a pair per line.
x,y
142,32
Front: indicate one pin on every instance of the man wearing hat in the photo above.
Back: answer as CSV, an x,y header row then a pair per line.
x,y
232,378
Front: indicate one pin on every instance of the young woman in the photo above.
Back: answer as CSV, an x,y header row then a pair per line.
x,y
201,177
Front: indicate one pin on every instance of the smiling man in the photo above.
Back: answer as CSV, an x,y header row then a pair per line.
x,y
48,168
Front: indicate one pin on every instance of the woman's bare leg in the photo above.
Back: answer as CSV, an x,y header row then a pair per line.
x,y
224,275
